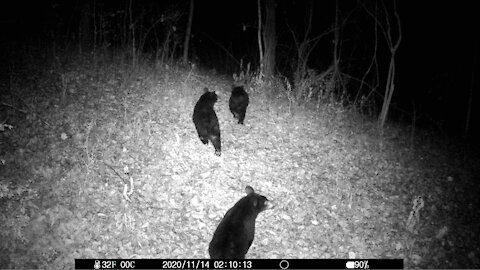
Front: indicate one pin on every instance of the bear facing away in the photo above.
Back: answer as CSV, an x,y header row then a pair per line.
x,y
206,121
238,103
234,235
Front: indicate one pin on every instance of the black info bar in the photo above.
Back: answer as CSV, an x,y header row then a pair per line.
x,y
239,264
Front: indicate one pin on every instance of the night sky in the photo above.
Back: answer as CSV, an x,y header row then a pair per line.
x,y
434,61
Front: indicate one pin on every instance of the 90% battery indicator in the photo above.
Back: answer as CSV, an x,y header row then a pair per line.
x,y
357,264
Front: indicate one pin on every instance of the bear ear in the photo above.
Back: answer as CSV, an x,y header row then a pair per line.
x,y
205,89
249,190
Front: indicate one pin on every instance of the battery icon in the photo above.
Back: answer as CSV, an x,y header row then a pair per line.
x,y
350,264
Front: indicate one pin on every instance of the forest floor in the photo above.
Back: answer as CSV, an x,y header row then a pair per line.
x,y
99,160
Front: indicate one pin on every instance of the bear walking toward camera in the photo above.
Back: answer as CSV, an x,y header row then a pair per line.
x,y
206,121
234,235
238,103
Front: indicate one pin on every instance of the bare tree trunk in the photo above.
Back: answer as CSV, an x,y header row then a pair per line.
x,y
336,40
124,37
389,88
373,63
95,32
259,37
269,39
470,91
85,31
387,32
187,35
132,26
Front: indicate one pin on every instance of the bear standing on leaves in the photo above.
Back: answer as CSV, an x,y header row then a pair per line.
x,y
234,235
238,103
206,121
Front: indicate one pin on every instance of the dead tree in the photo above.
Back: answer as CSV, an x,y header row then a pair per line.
x,y
187,35
386,29
470,90
267,36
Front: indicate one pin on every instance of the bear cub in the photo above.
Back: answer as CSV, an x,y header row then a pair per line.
x,y
234,235
206,121
238,103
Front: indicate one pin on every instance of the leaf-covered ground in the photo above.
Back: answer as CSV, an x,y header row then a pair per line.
x,y
84,134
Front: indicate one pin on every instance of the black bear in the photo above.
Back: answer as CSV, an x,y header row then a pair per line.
x,y
234,235
238,103
206,121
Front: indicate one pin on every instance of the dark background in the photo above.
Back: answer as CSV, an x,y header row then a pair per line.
x,y
435,60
